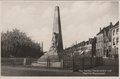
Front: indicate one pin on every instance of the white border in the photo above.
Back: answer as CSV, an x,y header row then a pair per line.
x,y
61,77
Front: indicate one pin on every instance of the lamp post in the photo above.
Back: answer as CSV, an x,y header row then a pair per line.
x,y
72,54
83,61
73,60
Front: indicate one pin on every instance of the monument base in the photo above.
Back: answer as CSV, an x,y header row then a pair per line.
x,y
40,64
49,61
51,64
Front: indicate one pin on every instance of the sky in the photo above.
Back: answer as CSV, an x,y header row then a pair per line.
x,y
80,20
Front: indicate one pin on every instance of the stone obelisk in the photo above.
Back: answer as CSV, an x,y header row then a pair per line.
x,y
55,52
56,43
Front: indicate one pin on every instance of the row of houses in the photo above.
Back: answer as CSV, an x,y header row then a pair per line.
x,y
86,48
107,41
104,44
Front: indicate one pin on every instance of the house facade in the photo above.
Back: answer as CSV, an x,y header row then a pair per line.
x,y
115,40
99,44
107,40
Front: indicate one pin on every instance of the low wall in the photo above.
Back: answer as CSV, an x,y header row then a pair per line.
x,y
55,64
111,61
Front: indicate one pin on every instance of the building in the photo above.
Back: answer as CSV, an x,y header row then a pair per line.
x,y
99,44
94,46
115,40
88,47
107,40
103,44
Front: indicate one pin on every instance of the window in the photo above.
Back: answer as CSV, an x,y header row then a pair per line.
x,y
117,50
113,32
113,41
117,40
109,49
117,31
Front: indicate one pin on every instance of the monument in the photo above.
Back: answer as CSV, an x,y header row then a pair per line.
x,y
57,43
54,55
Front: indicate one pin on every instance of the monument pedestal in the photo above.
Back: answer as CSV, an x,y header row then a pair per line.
x,y
48,60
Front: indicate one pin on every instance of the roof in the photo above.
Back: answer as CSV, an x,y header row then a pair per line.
x,y
100,31
105,29
115,25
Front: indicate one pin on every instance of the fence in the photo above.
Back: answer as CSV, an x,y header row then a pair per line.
x,y
17,61
82,63
67,63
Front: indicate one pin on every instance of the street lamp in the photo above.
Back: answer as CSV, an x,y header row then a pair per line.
x,y
72,55
83,61
73,60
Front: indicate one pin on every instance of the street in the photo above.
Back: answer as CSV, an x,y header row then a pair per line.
x,y
36,71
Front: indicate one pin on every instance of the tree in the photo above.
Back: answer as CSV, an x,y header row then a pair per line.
x,y
18,44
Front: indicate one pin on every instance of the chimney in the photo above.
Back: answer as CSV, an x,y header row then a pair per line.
x,y
111,24
42,46
100,29
75,42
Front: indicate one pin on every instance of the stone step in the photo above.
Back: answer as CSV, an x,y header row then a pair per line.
x,y
45,64
40,64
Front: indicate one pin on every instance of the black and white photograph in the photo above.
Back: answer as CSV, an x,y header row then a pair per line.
x,y
59,38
